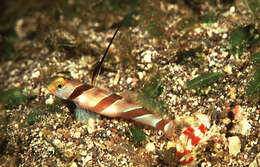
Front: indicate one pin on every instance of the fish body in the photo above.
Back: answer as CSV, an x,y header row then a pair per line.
x,y
103,102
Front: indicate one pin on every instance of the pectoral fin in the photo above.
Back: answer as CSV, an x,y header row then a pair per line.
x,y
83,115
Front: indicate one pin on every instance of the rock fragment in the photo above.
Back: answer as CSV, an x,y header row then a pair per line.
x,y
234,145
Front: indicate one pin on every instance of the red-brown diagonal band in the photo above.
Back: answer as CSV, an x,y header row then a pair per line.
x,y
135,113
106,102
160,125
79,90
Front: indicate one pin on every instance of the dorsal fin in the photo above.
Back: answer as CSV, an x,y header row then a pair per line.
x,y
98,66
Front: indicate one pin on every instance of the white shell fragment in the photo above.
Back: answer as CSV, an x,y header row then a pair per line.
x,y
147,56
50,100
36,74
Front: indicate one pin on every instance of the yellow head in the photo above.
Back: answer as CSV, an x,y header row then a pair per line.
x,y
56,84
62,88
58,88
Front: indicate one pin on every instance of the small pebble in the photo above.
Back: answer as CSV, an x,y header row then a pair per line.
x,y
76,135
237,113
140,75
13,72
83,152
149,66
245,126
232,93
58,143
69,153
135,80
129,80
50,100
232,9
206,164
242,128
198,30
225,54
116,79
19,84
36,74
224,36
209,33
108,133
16,125
147,56
73,164
66,135
91,126
234,145
36,90
86,159
228,69
25,77
150,147
226,121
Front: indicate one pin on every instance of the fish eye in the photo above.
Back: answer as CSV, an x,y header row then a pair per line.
x,y
59,86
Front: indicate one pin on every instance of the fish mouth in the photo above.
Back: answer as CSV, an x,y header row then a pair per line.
x,y
51,88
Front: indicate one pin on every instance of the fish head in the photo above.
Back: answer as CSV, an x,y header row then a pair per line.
x,y
62,88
